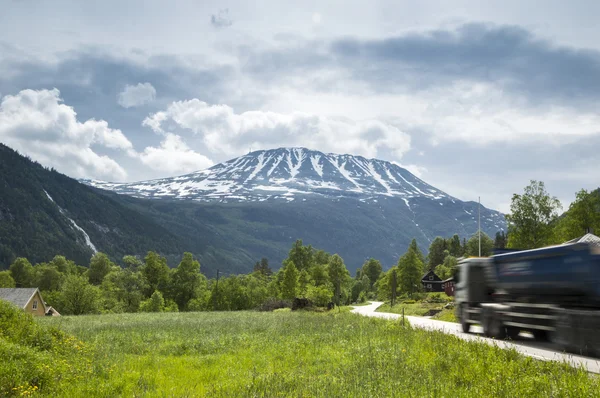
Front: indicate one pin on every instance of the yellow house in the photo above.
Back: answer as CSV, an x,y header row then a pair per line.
x,y
29,299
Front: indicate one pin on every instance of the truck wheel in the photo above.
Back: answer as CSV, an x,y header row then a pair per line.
x,y
492,325
540,335
512,332
464,317
485,322
497,329
561,335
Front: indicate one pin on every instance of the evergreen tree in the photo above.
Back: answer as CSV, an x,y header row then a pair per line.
x,y
321,257
372,270
500,241
338,274
436,252
262,267
410,267
415,248
455,248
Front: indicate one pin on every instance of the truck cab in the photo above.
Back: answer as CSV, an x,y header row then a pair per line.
x,y
473,287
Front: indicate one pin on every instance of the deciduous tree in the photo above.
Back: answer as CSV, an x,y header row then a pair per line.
x,y
22,272
100,266
531,216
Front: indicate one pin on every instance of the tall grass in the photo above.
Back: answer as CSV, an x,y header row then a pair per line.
x,y
301,354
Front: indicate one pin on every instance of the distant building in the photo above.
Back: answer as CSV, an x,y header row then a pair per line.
x,y
29,299
448,286
431,282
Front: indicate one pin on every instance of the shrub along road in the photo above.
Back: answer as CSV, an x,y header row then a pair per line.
x,y
524,345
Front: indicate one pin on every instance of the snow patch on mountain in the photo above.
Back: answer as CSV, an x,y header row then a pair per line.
x,y
271,174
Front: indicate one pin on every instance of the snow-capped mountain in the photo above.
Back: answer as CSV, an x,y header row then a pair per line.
x,y
285,174
303,176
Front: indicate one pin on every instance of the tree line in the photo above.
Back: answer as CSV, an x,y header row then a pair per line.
x,y
150,285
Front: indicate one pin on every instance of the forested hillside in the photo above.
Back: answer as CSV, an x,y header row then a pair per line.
x,y
43,212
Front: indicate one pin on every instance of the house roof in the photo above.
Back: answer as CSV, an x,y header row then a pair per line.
x,y
587,238
430,272
18,296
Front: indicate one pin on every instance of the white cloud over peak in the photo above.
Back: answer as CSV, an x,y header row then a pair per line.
x,y
140,94
36,123
174,156
227,133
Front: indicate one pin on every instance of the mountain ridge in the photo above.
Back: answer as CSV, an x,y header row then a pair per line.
x,y
284,173
45,213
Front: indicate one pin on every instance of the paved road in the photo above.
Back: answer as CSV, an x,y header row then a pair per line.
x,y
524,345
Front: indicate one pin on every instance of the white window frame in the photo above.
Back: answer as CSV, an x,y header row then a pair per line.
x,y
34,306
430,277
429,286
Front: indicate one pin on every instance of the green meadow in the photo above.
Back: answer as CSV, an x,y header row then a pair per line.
x,y
276,354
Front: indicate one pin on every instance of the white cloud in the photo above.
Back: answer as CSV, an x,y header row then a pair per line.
x,y
37,124
140,94
174,156
316,18
227,133
413,168
483,114
478,114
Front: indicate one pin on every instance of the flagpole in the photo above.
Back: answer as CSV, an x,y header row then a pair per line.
x,y
479,224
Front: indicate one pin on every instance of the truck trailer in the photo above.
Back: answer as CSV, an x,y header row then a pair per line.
x,y
551,292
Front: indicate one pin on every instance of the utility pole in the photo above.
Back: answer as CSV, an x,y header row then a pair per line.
x,y
216,293
479,224
394,286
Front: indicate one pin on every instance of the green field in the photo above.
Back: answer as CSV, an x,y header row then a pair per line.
x,y
419,308
245,354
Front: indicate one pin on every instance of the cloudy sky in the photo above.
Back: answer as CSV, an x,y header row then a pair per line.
x,y
477,98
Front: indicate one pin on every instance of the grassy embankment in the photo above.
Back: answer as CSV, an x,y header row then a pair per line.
x,y
270,354
422,306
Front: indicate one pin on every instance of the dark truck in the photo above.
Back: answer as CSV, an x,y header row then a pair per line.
x,y
552,292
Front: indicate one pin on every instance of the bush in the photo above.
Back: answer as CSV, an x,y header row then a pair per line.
x,y
362,297
437,298
319,295
273,304
34,357
409,301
